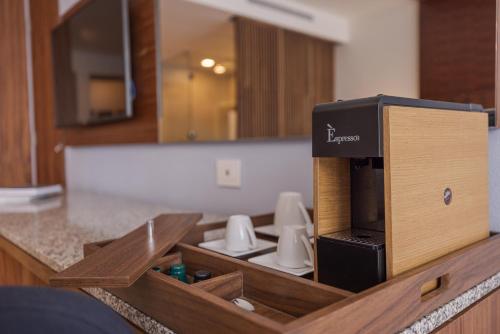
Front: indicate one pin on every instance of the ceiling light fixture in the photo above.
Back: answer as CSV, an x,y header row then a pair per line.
x,y
207,62
219,69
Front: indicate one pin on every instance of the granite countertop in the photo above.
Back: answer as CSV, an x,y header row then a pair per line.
x,y
55,231
56,236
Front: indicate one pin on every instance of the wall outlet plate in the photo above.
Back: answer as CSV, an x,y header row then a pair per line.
x,y
228,173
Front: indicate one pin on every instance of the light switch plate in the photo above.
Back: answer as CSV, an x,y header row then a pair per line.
x,y
228,173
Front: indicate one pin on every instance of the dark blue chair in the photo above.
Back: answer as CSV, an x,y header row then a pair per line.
x,y
36,310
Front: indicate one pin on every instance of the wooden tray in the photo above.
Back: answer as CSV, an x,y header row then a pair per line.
x,y
288,304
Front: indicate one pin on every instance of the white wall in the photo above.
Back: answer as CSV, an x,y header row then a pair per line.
x,y
494,179
381,56
183,175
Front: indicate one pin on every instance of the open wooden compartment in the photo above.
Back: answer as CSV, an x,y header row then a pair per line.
x,y
279,299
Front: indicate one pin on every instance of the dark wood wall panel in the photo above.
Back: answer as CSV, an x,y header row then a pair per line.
x,y
281,76
257,73
457,50
50,155
15,156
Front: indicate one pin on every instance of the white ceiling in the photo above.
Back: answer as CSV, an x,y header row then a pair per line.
x,y
203,31
350,8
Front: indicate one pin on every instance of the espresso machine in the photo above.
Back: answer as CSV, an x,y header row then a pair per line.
x,y
394,182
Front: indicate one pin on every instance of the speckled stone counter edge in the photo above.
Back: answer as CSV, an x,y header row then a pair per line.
x,y
141,320
423,326
446,312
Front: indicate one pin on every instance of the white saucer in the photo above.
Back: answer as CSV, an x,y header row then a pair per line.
x,y
271,231
219,246
269,260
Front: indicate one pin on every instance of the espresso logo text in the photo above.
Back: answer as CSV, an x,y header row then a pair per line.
x,y
332,138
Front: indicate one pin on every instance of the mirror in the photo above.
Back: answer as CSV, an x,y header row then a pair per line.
x,y
198,73
228,77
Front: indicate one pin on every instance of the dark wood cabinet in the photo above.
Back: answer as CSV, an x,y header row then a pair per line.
x,y
19,268
13,272
457,50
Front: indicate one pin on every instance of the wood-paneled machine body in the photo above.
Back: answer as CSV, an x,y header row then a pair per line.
x,y
397,183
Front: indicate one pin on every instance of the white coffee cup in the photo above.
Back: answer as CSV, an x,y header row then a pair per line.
x,y
290,210
294,248
240,235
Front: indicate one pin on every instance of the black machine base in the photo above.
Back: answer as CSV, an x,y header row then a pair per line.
x,y
352,260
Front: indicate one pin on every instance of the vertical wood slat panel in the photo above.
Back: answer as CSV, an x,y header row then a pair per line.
x,y
257,54
281,76
308,79
15,146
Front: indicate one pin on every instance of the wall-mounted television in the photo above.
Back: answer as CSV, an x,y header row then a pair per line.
x,y
91,61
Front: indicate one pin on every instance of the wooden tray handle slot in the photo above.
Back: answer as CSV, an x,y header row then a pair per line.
x,y
228,286
434,287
